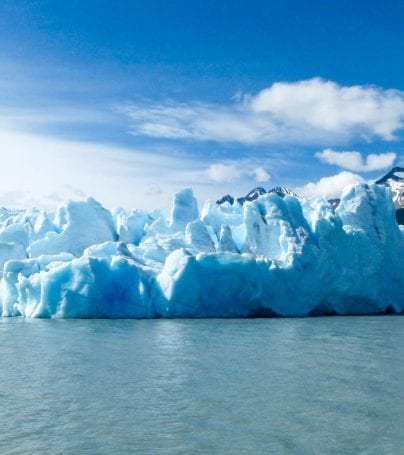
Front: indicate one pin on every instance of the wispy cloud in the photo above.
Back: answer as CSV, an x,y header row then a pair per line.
x,y
354,161
40,170
308,111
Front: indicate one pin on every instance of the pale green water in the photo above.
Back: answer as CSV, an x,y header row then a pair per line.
x,y
319,385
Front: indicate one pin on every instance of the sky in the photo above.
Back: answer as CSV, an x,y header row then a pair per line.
x,y
131,101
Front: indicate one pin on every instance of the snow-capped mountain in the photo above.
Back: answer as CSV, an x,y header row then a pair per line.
x,y
252,195
227,198
395,180
282,191
255,194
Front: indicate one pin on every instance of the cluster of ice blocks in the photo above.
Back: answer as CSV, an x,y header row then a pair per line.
x,y
270,257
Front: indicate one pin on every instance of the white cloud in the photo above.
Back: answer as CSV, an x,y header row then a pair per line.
x,y
261,175
354,161
329,187
223,172
328,106
243,169
309,111
43,171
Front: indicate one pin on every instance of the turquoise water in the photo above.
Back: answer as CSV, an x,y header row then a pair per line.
x,y
319,385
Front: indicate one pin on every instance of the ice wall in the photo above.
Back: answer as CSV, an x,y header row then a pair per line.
x,y
270,257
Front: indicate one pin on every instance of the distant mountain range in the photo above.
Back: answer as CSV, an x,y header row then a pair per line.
x,y
393,179
254,194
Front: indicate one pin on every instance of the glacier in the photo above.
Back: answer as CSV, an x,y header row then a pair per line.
x,y
272,256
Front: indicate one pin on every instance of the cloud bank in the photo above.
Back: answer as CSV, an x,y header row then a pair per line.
x,y
354,161
43,171
304,112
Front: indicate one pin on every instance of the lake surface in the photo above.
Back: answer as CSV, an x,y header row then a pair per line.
x,y
315,385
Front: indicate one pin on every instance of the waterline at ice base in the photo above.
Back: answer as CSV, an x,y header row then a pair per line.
x,y
275,255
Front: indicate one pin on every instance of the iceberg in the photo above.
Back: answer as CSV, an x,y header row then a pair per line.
x,y
273,255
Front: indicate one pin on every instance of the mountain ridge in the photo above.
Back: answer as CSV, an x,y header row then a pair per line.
x,y
394,179
254,194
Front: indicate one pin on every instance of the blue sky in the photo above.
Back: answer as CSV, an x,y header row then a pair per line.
x,y
130,101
